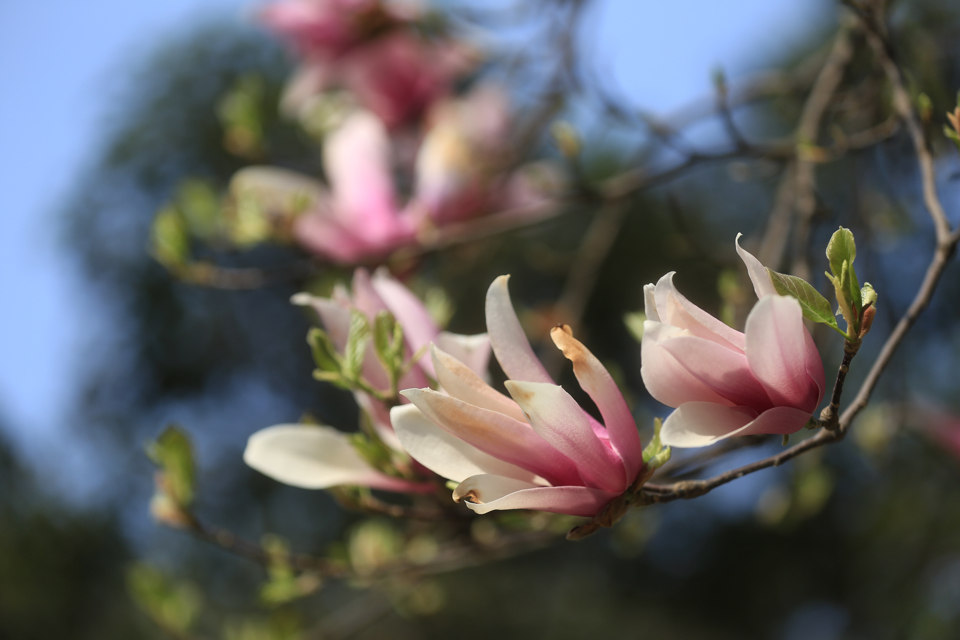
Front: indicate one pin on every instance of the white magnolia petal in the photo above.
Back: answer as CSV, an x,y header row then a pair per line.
x,y
485,493
650,303
312,457
762,283
445,454
509,342
699,424
473,351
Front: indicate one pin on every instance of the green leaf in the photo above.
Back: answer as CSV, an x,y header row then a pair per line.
x,y
815,307
173,453
841,248
388,341
324,353
356,345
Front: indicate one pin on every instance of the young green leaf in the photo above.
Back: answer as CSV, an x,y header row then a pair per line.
x,y
815,307
356,345
324,353
841,248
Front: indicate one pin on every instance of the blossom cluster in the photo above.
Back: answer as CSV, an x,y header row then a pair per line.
x,y
404,154
535,447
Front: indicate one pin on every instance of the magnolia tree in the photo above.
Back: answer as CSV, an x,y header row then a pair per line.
x,y
426,149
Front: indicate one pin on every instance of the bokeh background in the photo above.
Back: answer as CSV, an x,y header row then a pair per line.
x,y
108,106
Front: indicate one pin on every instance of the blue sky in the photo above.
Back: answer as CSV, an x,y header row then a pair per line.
x,y
61,61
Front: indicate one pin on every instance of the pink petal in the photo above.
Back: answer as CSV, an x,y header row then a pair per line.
x,y
463,384
762,283
496,434
445,454
419,329
313,457
675,310
699,424
666,379
473,351
356,158
779,350
510,344
560,421
724,371
485,493
320,233
596,381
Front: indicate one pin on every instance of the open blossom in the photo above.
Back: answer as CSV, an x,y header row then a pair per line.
x,y
318,457
767,380
540,449
359,216
370,49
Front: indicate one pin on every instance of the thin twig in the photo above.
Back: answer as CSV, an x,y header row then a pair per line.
x,y
905,109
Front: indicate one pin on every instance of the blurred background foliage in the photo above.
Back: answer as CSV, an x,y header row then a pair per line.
x,y
858,541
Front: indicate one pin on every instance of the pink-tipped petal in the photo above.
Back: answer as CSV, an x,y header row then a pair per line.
x,y
778,352
473,351
596,381
445,454
313,457
510,344
560,421
458,380
666,379
675,310
762,283
496,434
485,493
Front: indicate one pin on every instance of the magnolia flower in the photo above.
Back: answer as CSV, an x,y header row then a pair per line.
x,y
724,383
370,49
540,449
318,457
359,216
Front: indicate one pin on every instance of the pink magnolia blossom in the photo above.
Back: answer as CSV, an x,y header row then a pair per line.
x,y
540,449
370,49
722,382
317,457
359,216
